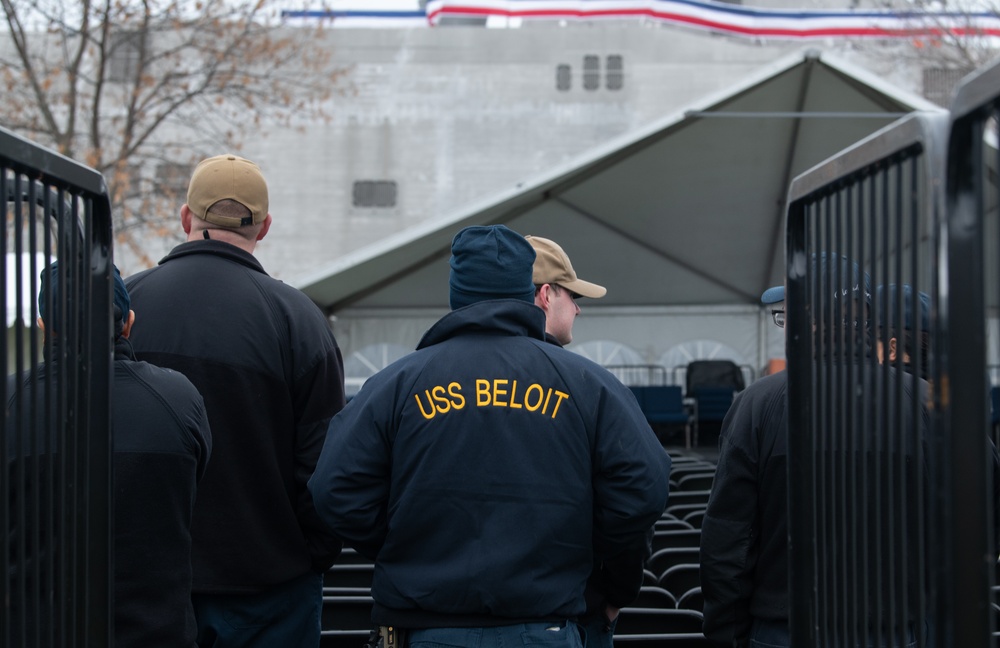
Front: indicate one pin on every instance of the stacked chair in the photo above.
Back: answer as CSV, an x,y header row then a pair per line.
x,y
347,602
667,613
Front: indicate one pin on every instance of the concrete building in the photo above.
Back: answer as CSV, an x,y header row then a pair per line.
x,y
439,118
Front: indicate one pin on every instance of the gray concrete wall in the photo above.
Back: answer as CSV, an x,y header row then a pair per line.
x,y
454,115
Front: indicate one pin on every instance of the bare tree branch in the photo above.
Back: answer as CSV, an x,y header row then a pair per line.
x,y
142,89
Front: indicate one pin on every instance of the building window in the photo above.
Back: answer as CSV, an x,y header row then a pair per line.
x,y
123,57
563,77
940,83
375,193
173,177
614,72
591,72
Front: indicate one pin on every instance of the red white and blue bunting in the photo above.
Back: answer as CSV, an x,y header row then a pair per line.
x,y
731,19
708,15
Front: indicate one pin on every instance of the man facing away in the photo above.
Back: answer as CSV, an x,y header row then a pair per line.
x,y
264,357
613,583
744,553
162,445
744,537
484,472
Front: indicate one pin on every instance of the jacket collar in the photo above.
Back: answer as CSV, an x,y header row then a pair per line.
x,y
123,349
551,339
510,317
215,248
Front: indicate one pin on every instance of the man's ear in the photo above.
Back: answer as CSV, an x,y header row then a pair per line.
x,y
264,228
127,328
544,296
186,218
892,349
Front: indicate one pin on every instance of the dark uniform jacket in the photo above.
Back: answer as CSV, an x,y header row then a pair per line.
x,y
744,536
265,360
162,445
484,470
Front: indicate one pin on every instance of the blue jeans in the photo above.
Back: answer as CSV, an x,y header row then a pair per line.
x,y
566,635
595,634
286,615
775,634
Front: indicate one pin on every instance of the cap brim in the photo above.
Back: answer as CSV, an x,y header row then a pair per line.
x,y
585,288
773,295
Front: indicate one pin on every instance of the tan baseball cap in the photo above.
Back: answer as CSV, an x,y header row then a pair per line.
x,y
228,176
552,266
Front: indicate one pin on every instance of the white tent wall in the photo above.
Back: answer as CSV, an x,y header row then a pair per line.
x,y
665,336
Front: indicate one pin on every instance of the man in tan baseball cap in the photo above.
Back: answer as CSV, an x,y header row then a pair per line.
x,y
228,197
268,367
557,288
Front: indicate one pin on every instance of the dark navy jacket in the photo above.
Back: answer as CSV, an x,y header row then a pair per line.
x,y
265,360
484,470
744,535
162,445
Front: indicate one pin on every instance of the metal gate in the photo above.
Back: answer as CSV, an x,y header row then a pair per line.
x,y
892,266
55,462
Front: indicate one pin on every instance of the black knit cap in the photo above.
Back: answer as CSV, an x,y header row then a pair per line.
x,y
49,282
490,262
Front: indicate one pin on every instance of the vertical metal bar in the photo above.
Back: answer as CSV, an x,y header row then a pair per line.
x,y
97,404
861,564
897,453
882,535
992,539
37,419
846,495
5,477
845,403
965,550
800,350
825,429
869,444
77,587
21,409
917,198
51,485
6,631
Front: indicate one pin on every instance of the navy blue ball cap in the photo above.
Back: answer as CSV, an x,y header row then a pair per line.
x,y
773,295
490,262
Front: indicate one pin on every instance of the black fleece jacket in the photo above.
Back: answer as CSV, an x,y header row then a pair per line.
x,y
265,360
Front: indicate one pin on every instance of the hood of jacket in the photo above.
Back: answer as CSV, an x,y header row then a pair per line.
x,y
512,317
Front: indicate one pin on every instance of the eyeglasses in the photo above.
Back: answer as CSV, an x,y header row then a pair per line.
x,y
572,295
779,318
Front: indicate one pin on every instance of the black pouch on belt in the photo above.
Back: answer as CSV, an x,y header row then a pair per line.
x,y
391,637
